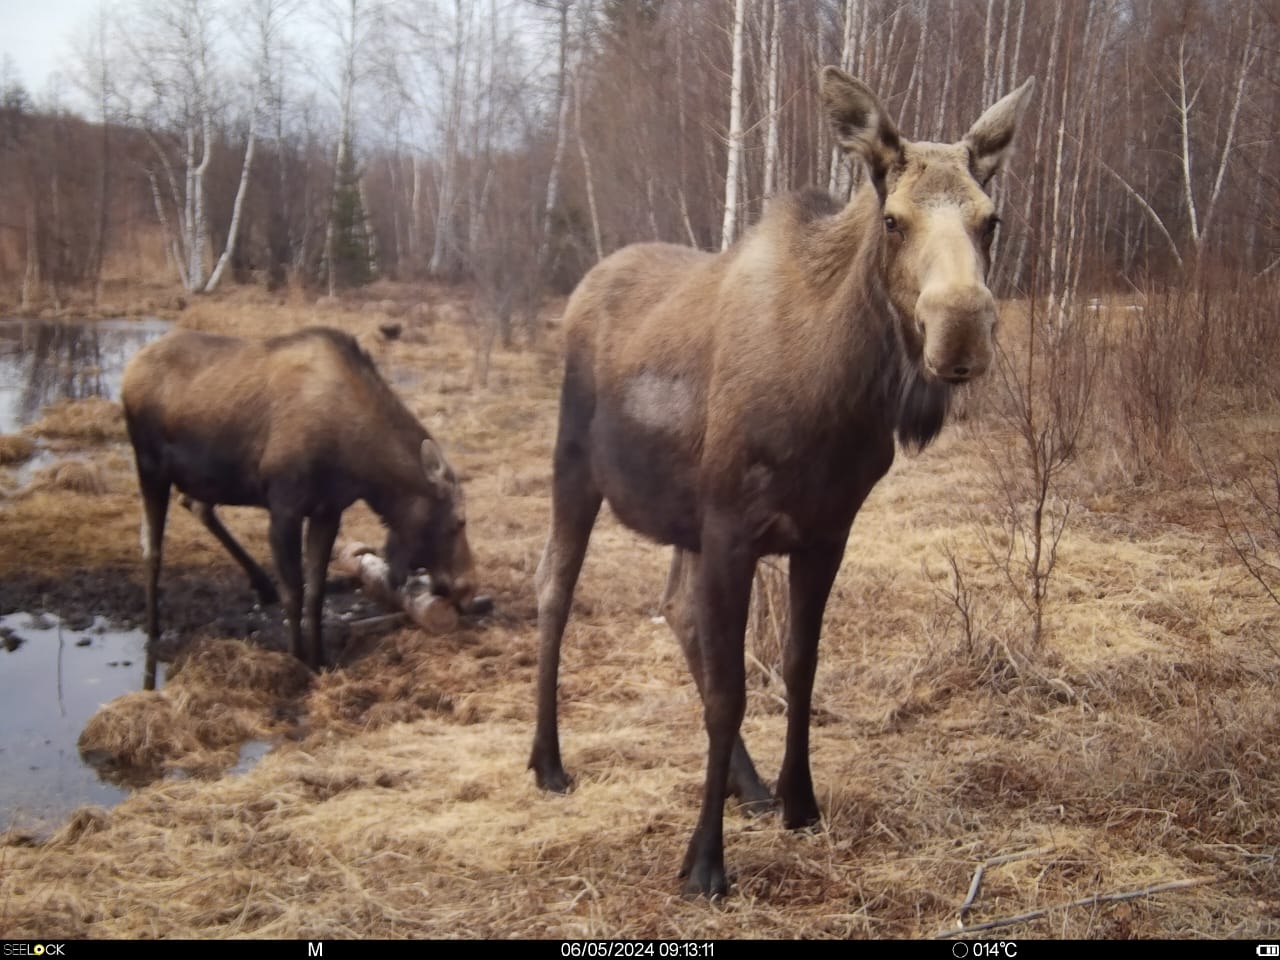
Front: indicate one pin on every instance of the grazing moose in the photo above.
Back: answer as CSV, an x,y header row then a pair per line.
x,y
304,426
744,404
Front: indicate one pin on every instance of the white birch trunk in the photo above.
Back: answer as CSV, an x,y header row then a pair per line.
x,y
771,84
1184,106
592,209
734,163
267,13
233,231
443,239
987,91
415,211
173,247
838,179
1247,56
562,135
939,124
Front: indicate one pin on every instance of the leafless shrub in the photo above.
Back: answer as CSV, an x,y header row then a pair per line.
x,y
1249,513
1044,390
1181,350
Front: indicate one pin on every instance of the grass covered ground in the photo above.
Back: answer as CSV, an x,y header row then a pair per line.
x,y
1133,752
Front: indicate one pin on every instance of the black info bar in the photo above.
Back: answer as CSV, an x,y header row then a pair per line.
x,y
955,947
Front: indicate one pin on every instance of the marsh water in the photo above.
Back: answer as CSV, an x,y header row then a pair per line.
x,y
55,673
52,680
42,361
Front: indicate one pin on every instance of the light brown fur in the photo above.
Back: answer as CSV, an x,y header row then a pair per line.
x,y
745,404
304,426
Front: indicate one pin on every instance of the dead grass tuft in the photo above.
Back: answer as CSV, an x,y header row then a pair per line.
x,y
94,420
72,476
218,695
15,449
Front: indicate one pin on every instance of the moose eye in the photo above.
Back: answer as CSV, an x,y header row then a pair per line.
x,y
891,225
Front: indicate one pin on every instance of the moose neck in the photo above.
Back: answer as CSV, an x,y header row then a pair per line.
x,y
874,365
395,479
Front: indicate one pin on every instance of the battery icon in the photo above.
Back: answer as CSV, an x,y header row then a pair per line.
x,y
1268,949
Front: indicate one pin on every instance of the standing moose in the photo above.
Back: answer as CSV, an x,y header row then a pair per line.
x,y
744,404
302,425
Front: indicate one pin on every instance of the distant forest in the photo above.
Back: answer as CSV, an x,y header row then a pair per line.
x,y
512,143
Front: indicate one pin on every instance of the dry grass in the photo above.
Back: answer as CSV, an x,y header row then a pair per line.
x,y
74,476
217,696
15,449
1137,750
84,421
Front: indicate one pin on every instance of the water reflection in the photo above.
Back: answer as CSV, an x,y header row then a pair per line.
x,y
44,361
53,678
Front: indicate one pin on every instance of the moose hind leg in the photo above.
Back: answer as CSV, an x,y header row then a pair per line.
x,y
575,502
322,531
258,578
286,550
155,509
555,580
678,609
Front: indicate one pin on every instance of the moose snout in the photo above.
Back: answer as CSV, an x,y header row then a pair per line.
x,y
459,591
958,324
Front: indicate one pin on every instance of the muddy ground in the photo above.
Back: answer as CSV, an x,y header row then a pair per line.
x,y
1120,781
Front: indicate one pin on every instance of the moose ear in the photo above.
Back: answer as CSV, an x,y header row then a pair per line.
x,y
434,465
859,122
989,138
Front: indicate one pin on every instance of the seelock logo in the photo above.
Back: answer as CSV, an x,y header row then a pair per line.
x,y
35,949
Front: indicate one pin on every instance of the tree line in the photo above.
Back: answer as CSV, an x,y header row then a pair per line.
x,y
515,142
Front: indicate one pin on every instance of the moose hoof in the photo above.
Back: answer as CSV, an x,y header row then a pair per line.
x,y
803,818
706,880
480,606
550,777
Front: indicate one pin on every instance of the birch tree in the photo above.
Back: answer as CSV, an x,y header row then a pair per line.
x,y
772,119
269,17
173,67
733,163
1186,94
562,9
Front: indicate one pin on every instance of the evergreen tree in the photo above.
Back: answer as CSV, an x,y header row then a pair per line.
x,y
353,260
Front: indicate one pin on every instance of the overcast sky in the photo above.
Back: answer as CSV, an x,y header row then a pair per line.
x,y
37,35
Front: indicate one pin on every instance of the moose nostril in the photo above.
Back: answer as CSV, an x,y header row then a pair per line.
x,y
960,372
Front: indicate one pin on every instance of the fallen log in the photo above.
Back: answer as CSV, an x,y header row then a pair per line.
x,y
434,614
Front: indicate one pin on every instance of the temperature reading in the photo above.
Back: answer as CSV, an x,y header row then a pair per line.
x,y
994,949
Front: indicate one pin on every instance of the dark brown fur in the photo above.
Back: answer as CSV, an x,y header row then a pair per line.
x,y
745,404
304,426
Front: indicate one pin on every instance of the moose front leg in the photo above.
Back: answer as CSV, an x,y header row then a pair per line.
x,y
813,570
723,590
